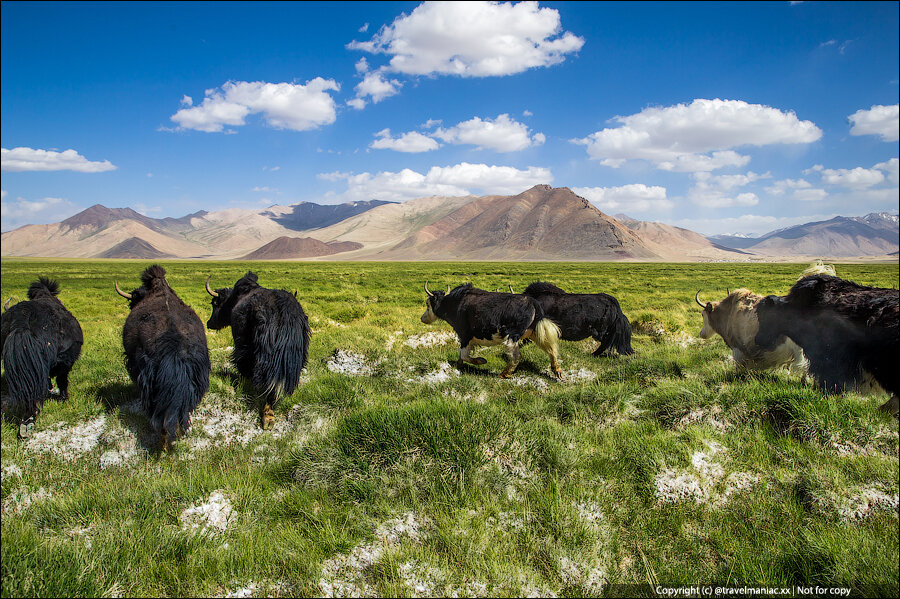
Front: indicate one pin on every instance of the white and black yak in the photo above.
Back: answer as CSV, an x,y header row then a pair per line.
x,y
41,339
271,337
165,354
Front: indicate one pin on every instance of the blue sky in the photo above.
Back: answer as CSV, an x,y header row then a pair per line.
x,y
719,117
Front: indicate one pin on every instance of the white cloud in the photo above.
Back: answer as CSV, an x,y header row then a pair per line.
x,y
19,212
364,28
186,100
714,191
636,197
356,103
411,142
809,195
697,136
890,168
473,39
857,178
362,65
878,120
28,159
502,134
143,209
282,105
780,187
375,86
458,180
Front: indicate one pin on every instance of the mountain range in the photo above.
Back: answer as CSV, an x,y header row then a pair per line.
x,y
542,223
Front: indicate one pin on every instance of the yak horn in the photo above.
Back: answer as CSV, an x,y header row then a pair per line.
x,y
6,305
208,289
122,293
727,291
697,299
426,290
510,289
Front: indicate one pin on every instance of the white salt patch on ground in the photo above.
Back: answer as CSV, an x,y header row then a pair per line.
x,y
431,339
214,426
702,482
11,471
420,578
589,578
346,575
83,534
713,417
124,448
867,501
246,591
674,485
214,516
21,499
581,375
738,481
345,362
525,381
441,375
392,339
590,512
68,442
508,522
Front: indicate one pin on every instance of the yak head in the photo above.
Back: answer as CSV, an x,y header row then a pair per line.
x,y
224,300
433,304
153,281
707,331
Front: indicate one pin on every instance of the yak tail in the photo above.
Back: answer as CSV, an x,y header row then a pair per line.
x,y
172,386
617,337
27,362
546,335
283,357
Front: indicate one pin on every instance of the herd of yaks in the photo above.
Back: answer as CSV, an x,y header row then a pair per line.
x,y
844,335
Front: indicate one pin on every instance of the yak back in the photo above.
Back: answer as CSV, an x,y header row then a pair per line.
x,y
46,317
861,305
581,315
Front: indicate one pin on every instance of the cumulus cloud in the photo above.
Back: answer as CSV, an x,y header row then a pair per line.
x,y
809,195
890,169
28,159
375,87
785,185
856,178
19,212
458,180
283,105
502,134
714,191
698,136
473,39
636,197
878,120
412,142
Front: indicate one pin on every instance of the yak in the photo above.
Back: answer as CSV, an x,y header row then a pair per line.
x,y
582,315
271,337
165,354
848,332
40,340
487,318
735,320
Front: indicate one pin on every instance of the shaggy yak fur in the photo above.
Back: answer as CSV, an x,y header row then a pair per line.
x,y
486,318
41,339
582,315
165,354
271,337
849,332
734,319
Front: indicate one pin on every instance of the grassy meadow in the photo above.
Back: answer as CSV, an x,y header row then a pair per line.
x,y
390,472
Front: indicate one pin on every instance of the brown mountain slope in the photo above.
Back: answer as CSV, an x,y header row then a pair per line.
x,y
287,248
542,223
135,249
675,243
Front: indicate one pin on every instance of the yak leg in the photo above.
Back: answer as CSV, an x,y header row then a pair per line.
x,y
464,356
554,362
892,406
165,442
513,354
267,416
62,381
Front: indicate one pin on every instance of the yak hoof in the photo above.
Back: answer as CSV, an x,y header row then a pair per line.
x,y
26,428
267,418
558,374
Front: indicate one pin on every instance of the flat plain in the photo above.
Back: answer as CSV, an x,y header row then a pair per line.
x,y
390,472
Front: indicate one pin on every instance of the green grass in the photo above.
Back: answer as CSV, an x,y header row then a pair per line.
x,y
524,486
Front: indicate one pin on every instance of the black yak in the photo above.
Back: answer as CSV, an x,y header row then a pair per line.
x,y
582,315
271,337
848,332
486,318
40,340
165,354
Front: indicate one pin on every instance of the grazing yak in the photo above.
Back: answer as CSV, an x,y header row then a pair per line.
x,y
165,354
735,320
485,318
271,337
40,340
582,315
849,332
